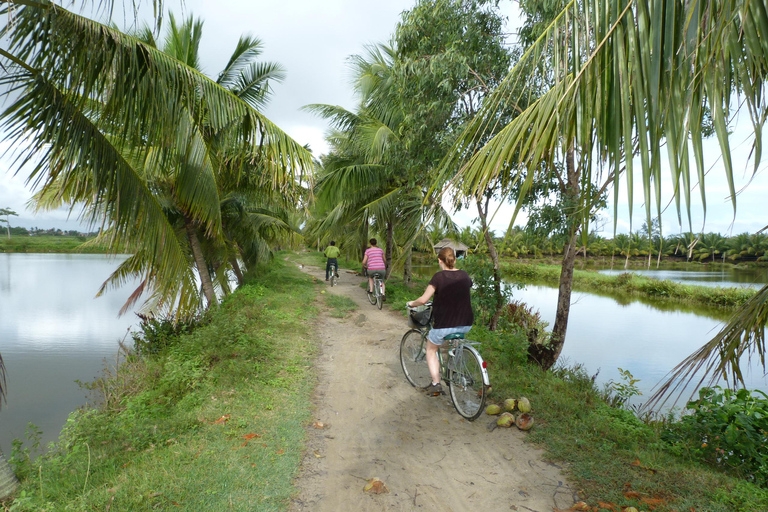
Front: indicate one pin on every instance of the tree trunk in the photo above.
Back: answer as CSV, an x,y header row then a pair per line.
x,y
407,268
8,480
483,212
547,356
390,247
202,267
236,270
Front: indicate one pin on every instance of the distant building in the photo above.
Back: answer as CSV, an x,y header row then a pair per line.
x,y
459,248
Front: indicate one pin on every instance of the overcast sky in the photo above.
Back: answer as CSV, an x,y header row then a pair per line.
x,y
312,40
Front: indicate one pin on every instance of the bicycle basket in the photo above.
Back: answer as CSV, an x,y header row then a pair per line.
x,y
419,316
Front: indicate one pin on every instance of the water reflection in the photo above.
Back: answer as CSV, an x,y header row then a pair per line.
x,y
605,335
726,277
52,333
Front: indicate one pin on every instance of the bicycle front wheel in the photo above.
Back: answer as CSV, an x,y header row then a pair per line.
x,y
413,359
379,299
466,383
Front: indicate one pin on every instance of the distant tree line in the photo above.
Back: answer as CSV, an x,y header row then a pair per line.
x,y
520,242
34,231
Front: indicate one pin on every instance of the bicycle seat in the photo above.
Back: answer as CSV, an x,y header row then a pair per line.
x,y
455,336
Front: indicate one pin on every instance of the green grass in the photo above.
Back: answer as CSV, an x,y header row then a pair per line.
x,y
249,366
49,244
340,305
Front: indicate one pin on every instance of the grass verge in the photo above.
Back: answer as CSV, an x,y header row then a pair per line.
x,y
214,420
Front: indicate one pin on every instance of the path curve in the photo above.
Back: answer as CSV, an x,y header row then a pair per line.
x,y
375,424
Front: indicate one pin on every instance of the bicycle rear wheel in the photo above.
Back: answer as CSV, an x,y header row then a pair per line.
x,y
334,277
466,384
379,299
413,358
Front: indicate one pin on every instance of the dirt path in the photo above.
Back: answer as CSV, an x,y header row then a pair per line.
x,y
378,425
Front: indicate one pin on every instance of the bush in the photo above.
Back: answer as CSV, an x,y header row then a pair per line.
x,y
728,429
159,334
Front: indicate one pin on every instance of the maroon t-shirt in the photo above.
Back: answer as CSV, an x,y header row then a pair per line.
x,y
451,306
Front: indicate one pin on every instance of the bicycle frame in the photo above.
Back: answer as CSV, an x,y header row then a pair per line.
x,y
457,347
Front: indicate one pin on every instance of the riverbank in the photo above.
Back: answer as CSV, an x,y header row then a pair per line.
x,y
51,244
718,301
217,418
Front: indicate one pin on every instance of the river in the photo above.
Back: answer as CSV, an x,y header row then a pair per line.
x,y
54,332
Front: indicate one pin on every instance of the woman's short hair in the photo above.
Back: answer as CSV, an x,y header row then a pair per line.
x,y
373,241
447,256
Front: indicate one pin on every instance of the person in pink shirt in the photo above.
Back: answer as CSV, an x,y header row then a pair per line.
x,y
373,261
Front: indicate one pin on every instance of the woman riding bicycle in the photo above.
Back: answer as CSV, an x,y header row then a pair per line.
x,y
451,310
373,261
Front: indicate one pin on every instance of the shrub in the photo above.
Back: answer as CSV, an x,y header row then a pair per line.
x,y
726,428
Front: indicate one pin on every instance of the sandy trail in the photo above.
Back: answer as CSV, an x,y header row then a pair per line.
x,y
378,425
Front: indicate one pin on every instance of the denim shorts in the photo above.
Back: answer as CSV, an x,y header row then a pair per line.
x,y
436,335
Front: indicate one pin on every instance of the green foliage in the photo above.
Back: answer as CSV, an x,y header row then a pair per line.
x,y
480,269
728,429
158,334
623,391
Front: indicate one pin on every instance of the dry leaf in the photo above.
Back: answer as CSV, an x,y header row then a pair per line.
x,y
580,506
317,454
250,436
652,502
280,452
223,419
375,486
318,424
608,506
632,495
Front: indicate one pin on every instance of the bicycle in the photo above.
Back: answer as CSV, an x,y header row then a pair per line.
x,y
377,297
334,275
465,370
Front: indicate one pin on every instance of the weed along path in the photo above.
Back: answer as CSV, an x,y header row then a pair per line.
x,y
371,423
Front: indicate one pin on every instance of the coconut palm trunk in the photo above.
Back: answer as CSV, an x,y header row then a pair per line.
x,y
547,356
202,267
483,212
236,270
408,267
390,246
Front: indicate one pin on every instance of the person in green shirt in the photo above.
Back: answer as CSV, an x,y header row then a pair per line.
x,y
331,252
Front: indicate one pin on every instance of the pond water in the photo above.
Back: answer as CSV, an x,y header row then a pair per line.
x,y
605,335
727,277
53,332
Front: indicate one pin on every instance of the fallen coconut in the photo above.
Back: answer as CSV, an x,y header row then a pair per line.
x,y
507,419
524,421
510,404
492,409
523,405
630,509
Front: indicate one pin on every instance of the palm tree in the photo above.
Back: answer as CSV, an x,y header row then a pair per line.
x,y
712,244
594,114
142,152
